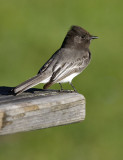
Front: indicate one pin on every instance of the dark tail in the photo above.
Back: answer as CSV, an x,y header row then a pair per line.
x,y
27,84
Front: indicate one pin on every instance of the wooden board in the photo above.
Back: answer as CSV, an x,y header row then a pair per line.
x,y
38,109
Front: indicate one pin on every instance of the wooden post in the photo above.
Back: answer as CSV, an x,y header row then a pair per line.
x,y
38,109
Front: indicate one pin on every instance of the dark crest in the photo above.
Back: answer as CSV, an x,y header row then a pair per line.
x,y
76,30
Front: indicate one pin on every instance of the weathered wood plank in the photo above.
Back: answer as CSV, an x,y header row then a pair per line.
x,y
38,109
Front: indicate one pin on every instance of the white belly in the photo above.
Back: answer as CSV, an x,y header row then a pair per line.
x,y
46,80
69,78
65,80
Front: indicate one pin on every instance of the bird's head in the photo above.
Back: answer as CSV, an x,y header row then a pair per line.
x,y
78,37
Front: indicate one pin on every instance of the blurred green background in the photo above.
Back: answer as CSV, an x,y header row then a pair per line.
x,y
30,32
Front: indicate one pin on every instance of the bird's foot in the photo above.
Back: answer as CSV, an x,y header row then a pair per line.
x,y
67,91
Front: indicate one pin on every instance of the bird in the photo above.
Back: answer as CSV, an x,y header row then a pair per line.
x,y
66,63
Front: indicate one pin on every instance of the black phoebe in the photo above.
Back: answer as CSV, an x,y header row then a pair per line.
x,y
66,63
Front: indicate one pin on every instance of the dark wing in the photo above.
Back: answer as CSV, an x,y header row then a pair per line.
x,y
67,66
67,69
48,63
74,62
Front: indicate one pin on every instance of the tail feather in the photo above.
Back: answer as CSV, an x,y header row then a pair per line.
x,y
28,84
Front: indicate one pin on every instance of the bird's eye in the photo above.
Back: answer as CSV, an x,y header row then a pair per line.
x,y
83,36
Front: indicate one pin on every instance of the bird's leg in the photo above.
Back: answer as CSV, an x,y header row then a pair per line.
x,y
73,87
61,89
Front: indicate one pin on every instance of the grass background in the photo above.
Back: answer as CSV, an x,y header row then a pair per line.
x,y
30,32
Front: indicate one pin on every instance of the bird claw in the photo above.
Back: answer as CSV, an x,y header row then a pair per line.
x,y
67,91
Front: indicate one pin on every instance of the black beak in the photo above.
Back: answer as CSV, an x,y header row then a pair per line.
x,y
94,37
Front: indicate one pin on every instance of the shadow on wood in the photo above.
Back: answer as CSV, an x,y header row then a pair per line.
x,y
38,109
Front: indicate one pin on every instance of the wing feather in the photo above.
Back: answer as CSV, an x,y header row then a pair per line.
x,y
66,70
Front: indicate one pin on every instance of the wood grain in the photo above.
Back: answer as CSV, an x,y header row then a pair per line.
x,y
38,109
